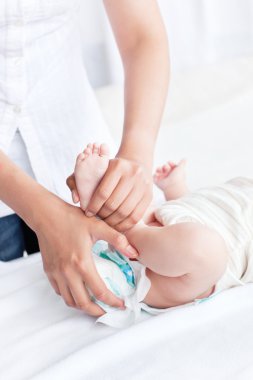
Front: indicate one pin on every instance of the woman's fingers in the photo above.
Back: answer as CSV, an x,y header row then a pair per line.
x,y
123,186
54,284
127,207
123,189
73,291
119,192
82,297
98,288
103,191
82,273
65,292
137,214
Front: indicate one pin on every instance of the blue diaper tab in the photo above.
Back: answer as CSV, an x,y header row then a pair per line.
x,y
102,250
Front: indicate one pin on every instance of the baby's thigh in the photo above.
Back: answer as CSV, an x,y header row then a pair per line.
x,y
173,291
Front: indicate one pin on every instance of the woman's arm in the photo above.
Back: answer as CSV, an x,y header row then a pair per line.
x,y
65,237
143,45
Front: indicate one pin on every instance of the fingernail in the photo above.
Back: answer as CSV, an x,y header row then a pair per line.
x,y
75,196
131,251
88,213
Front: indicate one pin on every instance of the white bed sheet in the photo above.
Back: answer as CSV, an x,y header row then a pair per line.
x,y
43,339
40,338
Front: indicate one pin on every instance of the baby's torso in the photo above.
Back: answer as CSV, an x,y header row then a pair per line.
x,y
228,209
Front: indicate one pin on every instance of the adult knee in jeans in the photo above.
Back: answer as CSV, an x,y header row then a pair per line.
x,y
12,243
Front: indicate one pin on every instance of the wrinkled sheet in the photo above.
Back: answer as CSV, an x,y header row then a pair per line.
x,y
43,339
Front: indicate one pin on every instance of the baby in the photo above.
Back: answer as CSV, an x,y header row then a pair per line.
x,y
191,247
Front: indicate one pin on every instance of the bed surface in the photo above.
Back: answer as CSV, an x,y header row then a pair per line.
x,y
208,120
42,339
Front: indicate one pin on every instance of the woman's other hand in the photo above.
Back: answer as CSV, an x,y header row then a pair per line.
x,y
66,237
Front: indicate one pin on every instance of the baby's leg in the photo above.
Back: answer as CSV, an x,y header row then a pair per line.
x,y
183,261
173,291
90,168
171,179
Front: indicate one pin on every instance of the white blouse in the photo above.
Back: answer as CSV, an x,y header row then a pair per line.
x,y
44,91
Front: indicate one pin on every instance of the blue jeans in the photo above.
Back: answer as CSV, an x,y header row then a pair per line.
x,y
15,238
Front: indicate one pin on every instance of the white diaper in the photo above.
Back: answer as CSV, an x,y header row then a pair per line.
x,y
127,279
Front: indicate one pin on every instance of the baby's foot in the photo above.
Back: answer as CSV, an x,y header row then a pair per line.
x,y
171,179
90,168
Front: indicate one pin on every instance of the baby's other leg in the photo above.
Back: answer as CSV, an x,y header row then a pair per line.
x,y
90,168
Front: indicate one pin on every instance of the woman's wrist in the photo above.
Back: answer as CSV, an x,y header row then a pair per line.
x,y
45,210
139,150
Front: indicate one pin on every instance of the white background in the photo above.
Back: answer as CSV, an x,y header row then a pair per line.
x,y
200,32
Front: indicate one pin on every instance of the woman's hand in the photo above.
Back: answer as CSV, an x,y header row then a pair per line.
x,y
66,237
123,194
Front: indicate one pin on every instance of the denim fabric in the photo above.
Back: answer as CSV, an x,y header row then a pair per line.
x,y
12,243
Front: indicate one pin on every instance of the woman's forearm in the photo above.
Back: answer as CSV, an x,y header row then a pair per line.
x,y
143,46
20,192
146,86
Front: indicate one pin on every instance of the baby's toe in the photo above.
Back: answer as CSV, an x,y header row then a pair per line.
x,y
80,158
166,168
96,148
172,164
104,150
87,152
159,170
